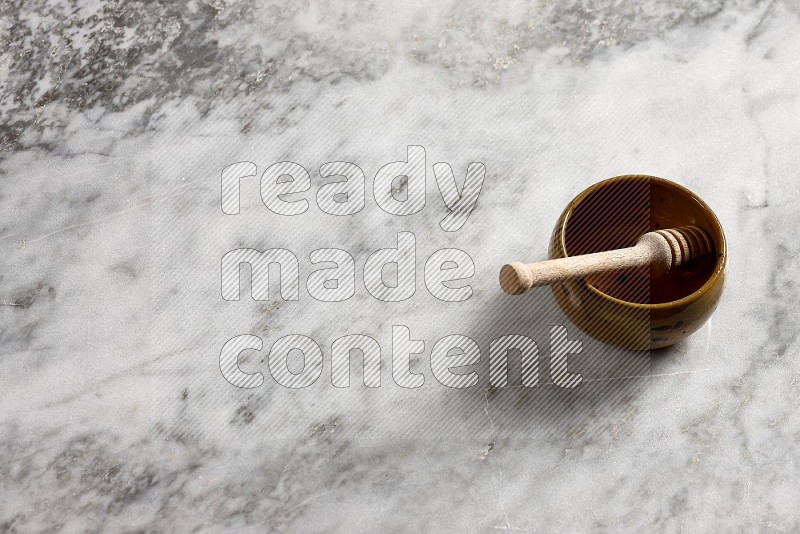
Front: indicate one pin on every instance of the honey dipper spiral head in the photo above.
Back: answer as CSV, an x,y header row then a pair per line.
x,y
688,247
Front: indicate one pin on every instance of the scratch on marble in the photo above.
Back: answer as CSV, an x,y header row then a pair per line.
x,y
491,465
603,379
123,373
156,199
355,432
311,498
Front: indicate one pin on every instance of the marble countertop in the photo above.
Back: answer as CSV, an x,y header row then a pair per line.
x,y
118,120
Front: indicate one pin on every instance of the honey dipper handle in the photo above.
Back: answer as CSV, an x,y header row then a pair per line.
x,y
651,249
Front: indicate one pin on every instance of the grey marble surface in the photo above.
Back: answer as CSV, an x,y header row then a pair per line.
x,y
116,120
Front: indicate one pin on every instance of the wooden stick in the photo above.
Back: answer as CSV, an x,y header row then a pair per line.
x,y
663,250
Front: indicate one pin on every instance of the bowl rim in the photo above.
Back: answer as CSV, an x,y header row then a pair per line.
x,y
688,299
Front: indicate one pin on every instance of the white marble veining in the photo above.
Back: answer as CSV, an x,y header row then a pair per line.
x,y
117,119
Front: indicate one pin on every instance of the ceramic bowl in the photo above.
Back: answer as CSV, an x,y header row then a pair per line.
x,y
637,309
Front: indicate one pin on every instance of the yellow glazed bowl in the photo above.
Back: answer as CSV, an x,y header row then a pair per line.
x,y
637,308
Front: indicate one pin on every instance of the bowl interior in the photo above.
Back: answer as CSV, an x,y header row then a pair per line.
x,y
615,213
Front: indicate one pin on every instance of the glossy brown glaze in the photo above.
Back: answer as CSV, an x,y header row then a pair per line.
x,y
637,308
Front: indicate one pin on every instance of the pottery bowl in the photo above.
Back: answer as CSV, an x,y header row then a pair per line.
x,y
637,308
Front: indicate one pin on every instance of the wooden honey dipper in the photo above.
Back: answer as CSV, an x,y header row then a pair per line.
x,y
663,250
